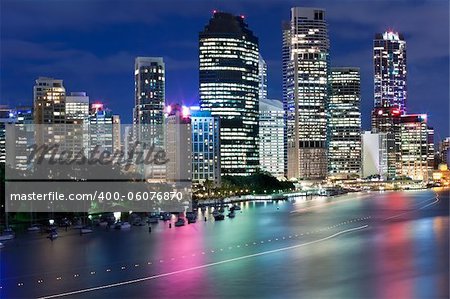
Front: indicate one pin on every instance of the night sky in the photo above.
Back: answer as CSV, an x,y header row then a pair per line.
x,y
91,45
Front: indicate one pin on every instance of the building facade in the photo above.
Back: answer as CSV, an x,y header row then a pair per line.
x,y
344,150
77,107
443,151
387,120
305,75
389,60
229,89
262,70
205,147
100,128
414,147
178,144
374,155
271,137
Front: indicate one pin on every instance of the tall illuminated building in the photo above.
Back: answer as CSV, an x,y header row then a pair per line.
x,y
389,60
178,143
16,139
77,107
444,152
390,93
344,151
387,120
414,147
306,92
101,128
6,117
49,101
229,89
262,69
205,147
149,74
117,131
77,117
271,138
49,96
148,119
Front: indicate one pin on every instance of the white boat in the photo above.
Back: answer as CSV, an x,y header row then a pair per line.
x,y
5,237
34,228
122,225
8,234
85,230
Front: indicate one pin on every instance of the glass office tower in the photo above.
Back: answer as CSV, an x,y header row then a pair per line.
x,y
229,88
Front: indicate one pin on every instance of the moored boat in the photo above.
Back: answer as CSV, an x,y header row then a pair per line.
x,y
219,216
86,230
180,222
34,228
122,225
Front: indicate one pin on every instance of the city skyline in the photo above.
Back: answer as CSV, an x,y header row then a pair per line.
x,y
119,97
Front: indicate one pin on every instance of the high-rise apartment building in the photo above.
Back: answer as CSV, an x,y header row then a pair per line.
x,y
271,137
306,92
229,89
344,149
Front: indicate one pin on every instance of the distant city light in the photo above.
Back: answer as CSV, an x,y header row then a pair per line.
x,y
185,111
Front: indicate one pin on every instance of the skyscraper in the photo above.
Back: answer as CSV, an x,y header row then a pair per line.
x,y
101,128
77,107
387,120
178,144
443,147
414,147
49,101
344,150
6,117
271,139
149,84
229,88
306,92
205,147
49,96
148,119
389,61
262,69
